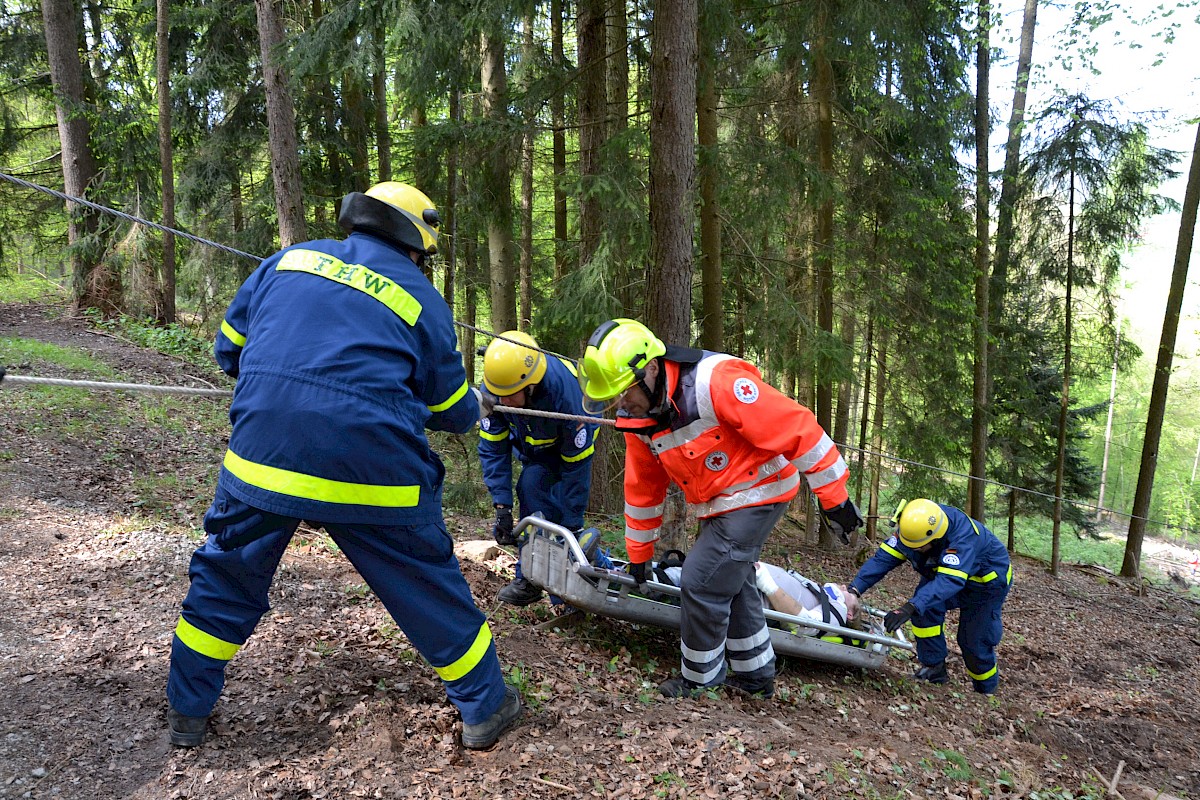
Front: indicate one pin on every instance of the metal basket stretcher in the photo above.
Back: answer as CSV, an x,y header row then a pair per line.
x,y
553,559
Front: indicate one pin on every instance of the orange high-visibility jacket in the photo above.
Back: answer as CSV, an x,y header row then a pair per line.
x,y
736,442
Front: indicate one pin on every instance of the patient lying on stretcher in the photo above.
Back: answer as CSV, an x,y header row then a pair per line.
x,y
783,590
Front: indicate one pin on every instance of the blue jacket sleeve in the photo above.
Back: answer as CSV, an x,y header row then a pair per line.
x,y
495,456
235,327
886,559
576,445
954,565
443,385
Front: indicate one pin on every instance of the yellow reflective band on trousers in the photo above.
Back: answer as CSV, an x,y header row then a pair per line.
x,y
232,335
310,487
470,659
205,643
925,633
356,276
991,576
984,676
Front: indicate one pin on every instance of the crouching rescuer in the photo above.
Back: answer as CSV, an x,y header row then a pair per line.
x,y
344,355
962,565
737,448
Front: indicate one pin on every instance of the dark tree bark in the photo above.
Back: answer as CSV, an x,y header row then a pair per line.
x,y
166,301
712,286
450,224
979,399
592,114
383,137
1064,399
617,44
281,125
63,25
559,142
1131,564
527,139
822,90
497,189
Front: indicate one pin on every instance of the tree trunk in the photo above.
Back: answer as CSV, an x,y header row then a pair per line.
x,y
281,126
383,137
617,45
877,436
166,303
63,40
979,400
822,90
865,413
1012,163
450,250
497,189
471,282
1112,402
527,140
712,287
592,113
1064,400
354,119
558,142
672,178
1131,565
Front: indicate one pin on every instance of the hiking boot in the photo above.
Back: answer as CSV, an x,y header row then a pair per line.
x,y
186,731
760,688
519,593
933,674
680,687
589,542
483,735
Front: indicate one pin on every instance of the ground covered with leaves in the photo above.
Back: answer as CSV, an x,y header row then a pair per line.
x,y
100,499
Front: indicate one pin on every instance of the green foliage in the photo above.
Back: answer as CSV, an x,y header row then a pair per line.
x,y
24,288
174,339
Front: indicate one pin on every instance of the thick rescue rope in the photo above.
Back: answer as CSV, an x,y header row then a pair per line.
x,y
188,390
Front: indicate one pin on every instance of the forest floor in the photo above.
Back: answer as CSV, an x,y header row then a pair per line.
x,y
100,496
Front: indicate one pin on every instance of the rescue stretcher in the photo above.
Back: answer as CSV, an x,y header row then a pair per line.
x,y
553,559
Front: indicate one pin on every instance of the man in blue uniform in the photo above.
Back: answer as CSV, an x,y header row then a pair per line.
x,y
344,355
555,454
962,565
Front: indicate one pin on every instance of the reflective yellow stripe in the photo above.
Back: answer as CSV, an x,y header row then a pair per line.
x,y
469,659
356,276
310,487
232,335
581,456
205,643
973,525
454,398
535,442
991,576
493,437
958,573
984,676
925,633
893,551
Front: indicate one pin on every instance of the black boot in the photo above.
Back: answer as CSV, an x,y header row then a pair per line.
x,y
519,593
933,673
483,735
680,687
186,731
761,688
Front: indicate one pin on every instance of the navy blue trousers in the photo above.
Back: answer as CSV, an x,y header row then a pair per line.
x,y
979,631
412,569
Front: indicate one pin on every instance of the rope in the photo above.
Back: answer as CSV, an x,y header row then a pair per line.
x,y
188,390
519,411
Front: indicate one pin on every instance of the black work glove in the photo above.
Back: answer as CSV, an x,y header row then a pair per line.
x,y
502,531
638,571
843,520
901,615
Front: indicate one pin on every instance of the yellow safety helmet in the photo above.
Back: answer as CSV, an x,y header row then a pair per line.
x,y
509,367
921,521
396,211
615,359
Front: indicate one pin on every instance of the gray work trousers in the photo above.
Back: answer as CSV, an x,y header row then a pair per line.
x,y
722,613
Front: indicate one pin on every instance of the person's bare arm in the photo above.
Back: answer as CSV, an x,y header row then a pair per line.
x,y
784,602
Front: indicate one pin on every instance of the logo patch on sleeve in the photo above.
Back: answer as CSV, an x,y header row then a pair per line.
x,y
717,461
486,423
745,390
580,439
951,560
891,542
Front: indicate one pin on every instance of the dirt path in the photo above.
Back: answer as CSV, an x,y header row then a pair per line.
x,y
327,700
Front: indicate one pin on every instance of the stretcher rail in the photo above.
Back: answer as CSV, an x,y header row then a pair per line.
x,y
553,559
